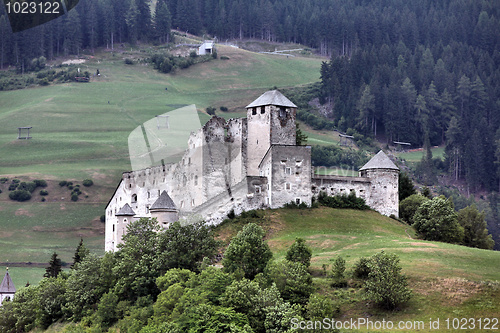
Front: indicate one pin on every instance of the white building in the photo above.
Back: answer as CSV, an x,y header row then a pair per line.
x,y
7,288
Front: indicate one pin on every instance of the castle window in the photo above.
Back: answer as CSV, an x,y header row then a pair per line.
x,y
254,111
283,161
134,198
129,185
182,204
158,192
124,220
192,203
288,186
282,112
113,228
195,180
147,209
189,160
297,201
257,189
149,195
262,109
288,171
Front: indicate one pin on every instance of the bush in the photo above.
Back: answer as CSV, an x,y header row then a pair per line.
x,y
40,183
386,286
0,191
408,207
224,57
223,109
63,183
74,197
193,54
362,268
3,180
16,181
343,201
27,186
13,186
129,61
44,192
87,182
103,218
210,110
70,187
20,195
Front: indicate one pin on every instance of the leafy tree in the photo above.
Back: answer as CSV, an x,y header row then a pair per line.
x,y
299,252
436,220
106,310
475,230
54,268
386,286
186,246
51,298
409,206
320,307
292,280
247,252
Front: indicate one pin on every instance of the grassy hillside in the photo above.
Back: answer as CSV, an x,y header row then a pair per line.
x,y
448,281
80,130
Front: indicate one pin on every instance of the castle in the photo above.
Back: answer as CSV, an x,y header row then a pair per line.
x,y
241,164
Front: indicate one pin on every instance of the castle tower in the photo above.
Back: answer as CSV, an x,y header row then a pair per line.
x,y
384,177
271,121
125,216
164,210
7,288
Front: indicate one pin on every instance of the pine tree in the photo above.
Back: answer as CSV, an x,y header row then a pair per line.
x,y
163,21
132,19
55,267
80,253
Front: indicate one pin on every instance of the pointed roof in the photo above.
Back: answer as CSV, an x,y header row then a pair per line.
x,y
379,161
163,202
272,97
7,286
125,211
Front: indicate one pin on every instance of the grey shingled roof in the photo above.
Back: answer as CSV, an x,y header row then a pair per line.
x,y
7,285
380,161
163,202
125,211
272,97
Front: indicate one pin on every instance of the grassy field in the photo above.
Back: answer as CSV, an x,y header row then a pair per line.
x,y
416,156
80,130
448,281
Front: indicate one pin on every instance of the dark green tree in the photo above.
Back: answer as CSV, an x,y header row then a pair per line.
x,y
409,206
292,280
405,186
54,268
80,253
475,229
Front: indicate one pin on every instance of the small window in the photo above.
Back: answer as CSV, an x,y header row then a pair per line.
x,y
189,160
288,186
282,112
113,228
182,204
149,195
288,171
257,189
147,209
254,111
125,221
195,180
297,201
158,192
262,109
129,185
134,198
192,203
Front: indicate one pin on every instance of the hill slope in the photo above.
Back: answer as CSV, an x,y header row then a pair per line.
x,y
449,281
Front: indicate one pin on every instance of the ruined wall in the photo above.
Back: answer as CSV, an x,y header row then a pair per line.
x,y
283,131
339,185
259,138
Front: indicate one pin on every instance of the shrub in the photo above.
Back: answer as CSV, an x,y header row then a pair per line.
x,y
40,183
362,268
224,57
193,54
69,184
16,181
408,207
44,192
27,186
70,187
386,286
74,197
87,182
343,201
210,110
63,183
223,109
43,200
13,186
3,180
20,195
129,61
0,191
103,218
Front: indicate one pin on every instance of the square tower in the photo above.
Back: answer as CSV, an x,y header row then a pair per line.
x,y
271,121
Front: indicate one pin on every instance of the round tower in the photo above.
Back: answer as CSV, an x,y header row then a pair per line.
x,y
384,176
124,217
271,121
164,210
